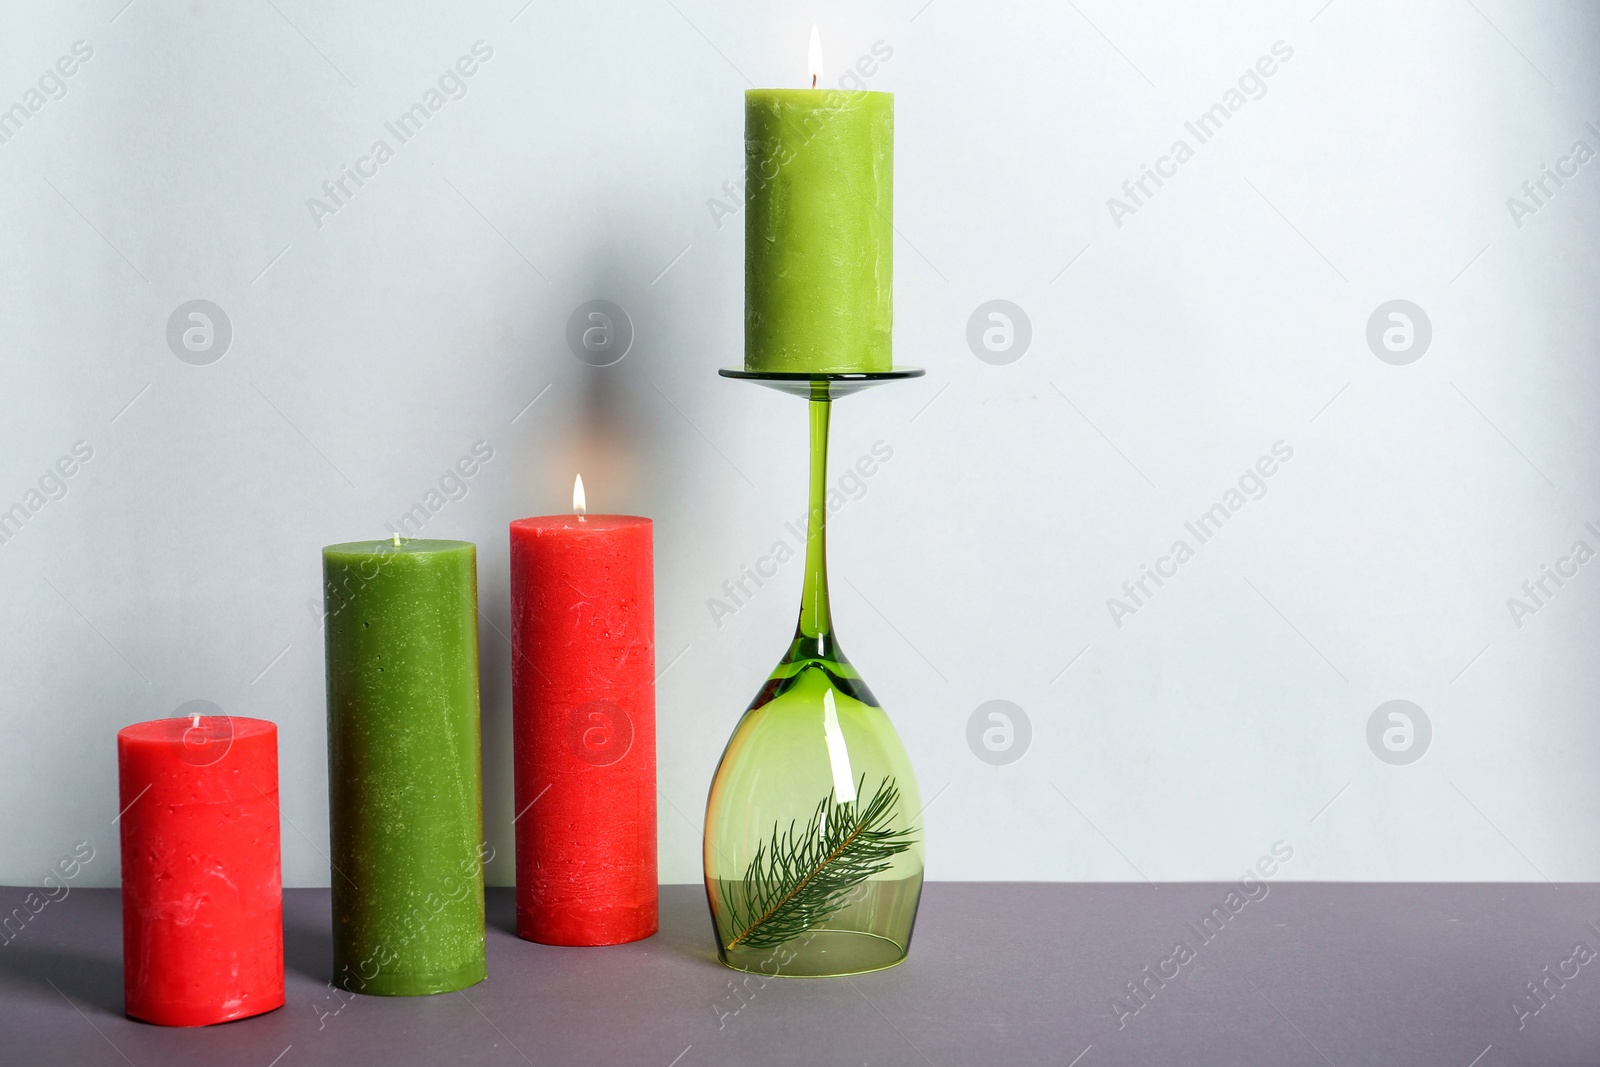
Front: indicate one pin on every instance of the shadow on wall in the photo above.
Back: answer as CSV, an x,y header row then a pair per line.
x,y
610,397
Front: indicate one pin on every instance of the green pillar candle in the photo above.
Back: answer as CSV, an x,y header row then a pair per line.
x,y
405,798
819,230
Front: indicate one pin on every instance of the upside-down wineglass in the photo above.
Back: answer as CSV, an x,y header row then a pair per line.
x,y
813,842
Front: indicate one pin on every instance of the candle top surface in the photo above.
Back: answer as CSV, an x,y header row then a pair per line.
x,y
180,731
819,97
579,523
415,546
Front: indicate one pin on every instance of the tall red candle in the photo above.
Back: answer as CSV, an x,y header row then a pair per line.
x,y
202,886
584,728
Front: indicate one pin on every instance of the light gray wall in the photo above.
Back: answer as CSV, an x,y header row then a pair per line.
x,y
1171,347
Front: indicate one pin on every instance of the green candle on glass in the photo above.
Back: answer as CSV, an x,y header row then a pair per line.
x,y
405,798
819,231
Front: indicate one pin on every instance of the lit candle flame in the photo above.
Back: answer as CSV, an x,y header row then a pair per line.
x,y
580,503
815,58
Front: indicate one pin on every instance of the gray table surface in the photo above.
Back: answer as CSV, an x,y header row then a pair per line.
x,y
1001,973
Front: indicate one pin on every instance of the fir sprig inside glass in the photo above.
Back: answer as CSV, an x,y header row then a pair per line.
x,y
804,875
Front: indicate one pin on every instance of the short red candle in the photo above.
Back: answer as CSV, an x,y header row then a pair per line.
x,y
584,728
202,886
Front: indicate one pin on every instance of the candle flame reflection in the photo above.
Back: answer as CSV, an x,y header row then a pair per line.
x,y
814,59
580,503
844,779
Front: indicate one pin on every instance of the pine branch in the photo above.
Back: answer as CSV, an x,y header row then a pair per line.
x,y
803,876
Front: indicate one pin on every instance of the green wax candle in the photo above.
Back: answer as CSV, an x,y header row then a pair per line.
x,y
405,798
819,230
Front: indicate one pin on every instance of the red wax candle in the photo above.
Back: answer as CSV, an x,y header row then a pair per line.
x,y
202,889
584,726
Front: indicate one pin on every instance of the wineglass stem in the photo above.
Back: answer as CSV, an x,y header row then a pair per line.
x,y
816,619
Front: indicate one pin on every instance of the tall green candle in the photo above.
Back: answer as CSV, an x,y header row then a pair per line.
x,y
405,796
819,230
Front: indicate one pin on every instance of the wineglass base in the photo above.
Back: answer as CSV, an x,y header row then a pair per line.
x,y
821,386
820,954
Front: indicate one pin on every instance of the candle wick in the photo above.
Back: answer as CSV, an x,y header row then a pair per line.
x,y
397,540
197,722
813,81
